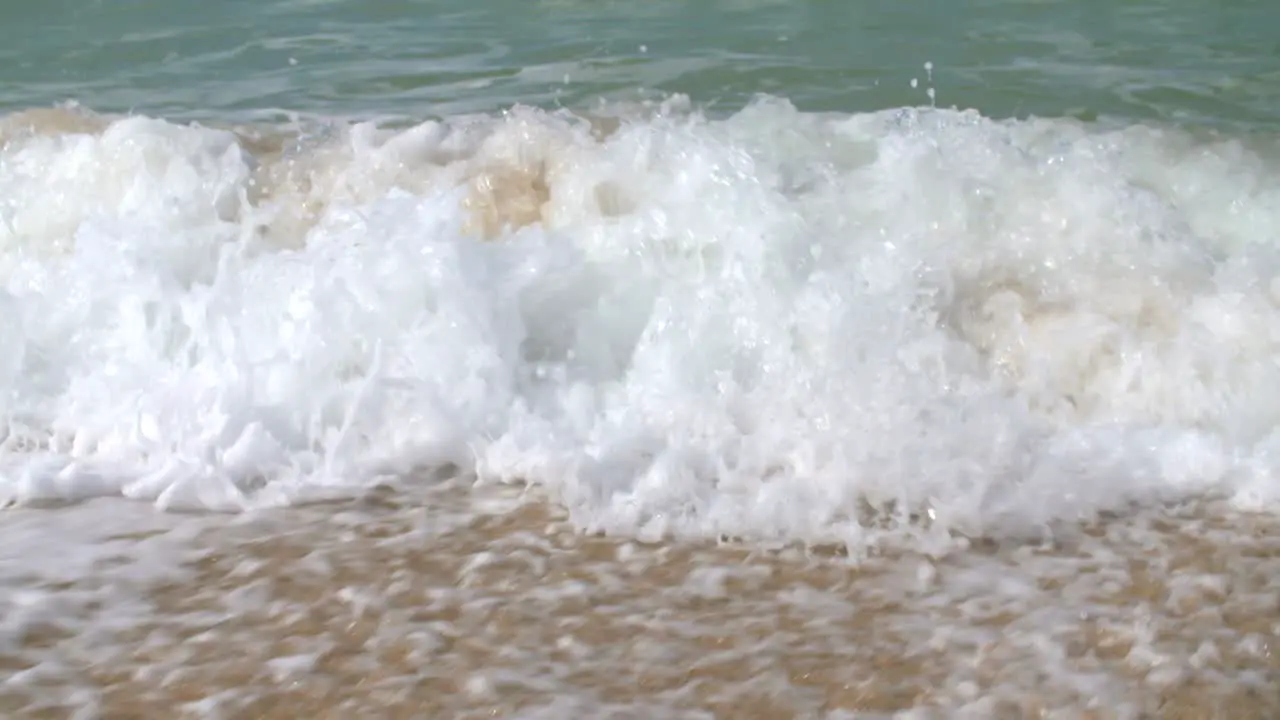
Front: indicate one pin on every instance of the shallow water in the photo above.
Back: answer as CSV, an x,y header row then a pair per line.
x,y
1172,60
737,286
452,604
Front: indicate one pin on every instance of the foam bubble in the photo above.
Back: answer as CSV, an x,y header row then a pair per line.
x,y
774,325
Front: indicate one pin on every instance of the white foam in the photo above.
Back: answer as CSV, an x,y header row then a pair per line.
x,y
757,326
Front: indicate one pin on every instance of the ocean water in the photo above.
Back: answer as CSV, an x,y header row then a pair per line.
x,y
905,278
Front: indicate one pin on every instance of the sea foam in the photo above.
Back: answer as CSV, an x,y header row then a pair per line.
x,y
774,325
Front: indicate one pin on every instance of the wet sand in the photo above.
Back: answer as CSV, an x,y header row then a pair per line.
x,y
390,608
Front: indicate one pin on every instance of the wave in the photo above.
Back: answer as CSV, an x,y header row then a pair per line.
x,y
775,325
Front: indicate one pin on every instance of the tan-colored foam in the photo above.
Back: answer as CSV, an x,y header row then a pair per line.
x,y
52,121
508,177
298,188
505,199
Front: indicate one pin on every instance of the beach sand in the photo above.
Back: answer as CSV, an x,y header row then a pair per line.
x,y
404,606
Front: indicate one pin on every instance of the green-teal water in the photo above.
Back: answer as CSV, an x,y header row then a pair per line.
x,y
1181,61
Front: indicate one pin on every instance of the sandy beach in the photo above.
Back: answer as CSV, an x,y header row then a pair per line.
x,y
411,607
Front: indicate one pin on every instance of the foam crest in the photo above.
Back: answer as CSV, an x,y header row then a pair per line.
x,y
775,325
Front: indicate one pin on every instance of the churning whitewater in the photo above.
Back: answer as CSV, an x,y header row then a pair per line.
x,y
777,325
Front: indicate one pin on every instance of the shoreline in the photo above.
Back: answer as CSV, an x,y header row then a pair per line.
x,y
401,606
